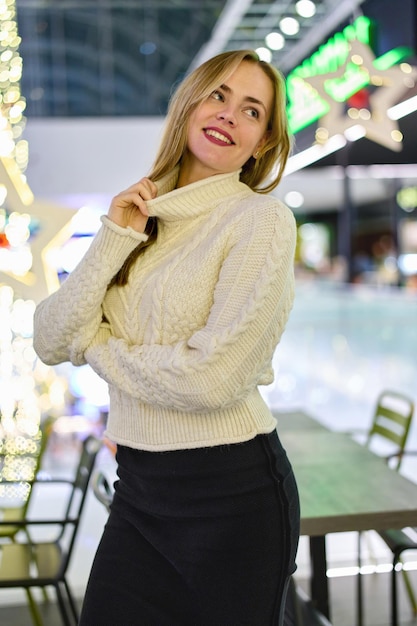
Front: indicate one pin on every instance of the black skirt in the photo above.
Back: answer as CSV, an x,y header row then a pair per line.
x,y
203,537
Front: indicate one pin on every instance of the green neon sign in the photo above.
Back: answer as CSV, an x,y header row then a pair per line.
x,y
305,106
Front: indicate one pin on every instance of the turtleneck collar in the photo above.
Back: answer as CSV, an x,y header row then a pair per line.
x,y
195,199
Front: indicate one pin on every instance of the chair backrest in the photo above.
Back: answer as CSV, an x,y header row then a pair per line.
x,y
391,423
102,489
23,462
78,492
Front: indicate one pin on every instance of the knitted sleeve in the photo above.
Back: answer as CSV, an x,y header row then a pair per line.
x,y
222,362
66,321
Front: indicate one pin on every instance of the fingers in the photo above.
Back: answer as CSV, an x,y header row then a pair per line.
x,y
129,208
145,188
138,194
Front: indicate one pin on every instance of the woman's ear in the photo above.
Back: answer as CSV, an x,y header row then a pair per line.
x,y
259,147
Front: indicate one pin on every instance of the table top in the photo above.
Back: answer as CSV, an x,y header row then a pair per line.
x,y
342,485
297,420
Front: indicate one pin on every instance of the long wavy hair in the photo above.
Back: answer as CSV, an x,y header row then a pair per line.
x,y
261,174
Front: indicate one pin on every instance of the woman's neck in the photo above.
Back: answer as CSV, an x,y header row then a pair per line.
x,y
191,171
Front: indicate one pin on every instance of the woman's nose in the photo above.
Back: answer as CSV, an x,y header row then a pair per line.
x,y
228,116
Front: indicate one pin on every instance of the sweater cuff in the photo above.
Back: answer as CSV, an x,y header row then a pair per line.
x,y
125,232
113,245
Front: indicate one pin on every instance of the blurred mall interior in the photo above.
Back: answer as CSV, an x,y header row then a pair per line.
x,y
84,86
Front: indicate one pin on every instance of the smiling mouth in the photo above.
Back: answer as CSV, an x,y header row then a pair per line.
x,y
219,136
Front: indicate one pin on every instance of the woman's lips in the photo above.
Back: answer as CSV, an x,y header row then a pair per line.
x,y
218,136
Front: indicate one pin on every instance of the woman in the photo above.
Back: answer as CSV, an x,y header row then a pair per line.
x,y
179,304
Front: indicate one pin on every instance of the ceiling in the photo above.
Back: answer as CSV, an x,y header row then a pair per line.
x,y
98,58
122,57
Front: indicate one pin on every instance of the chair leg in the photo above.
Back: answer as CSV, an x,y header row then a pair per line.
x,y
359,585
394,591
45,594
62,608
410,591
34,609
394,610
72,602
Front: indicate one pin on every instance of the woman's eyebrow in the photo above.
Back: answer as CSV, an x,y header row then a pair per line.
x,y
246,98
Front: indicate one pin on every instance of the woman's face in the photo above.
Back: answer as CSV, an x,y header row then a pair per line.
x,y
227,128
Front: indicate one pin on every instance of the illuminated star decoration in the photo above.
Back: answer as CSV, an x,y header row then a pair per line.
x,y
384,87
28,229
54,229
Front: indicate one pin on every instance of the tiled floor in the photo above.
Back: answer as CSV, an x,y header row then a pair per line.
x,y
342,592
20,616
376,604
341,347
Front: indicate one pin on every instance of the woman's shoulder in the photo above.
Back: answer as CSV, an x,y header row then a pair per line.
x,y
259,223
265,209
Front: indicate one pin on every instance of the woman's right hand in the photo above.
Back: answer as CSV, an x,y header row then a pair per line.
x,y
129,208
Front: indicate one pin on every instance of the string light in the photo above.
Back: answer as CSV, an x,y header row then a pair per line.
x,y
15,228
275,41
12,103
264,54
289,26
28,389
305,8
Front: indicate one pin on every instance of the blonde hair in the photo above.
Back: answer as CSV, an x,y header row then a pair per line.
x,y
195,88
261,174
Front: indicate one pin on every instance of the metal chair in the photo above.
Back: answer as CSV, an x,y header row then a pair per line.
x,y
21,459
45,563
390,426
102,489
399,541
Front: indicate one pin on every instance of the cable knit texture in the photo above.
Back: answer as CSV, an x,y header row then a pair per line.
x,y
185,344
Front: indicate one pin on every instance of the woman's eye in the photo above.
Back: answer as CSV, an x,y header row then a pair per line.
x,y
217,95
252,113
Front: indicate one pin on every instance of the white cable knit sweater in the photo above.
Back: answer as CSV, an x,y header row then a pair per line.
x,y
188,340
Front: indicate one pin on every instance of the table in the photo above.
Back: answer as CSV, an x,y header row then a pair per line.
x,y
343,487
297,420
